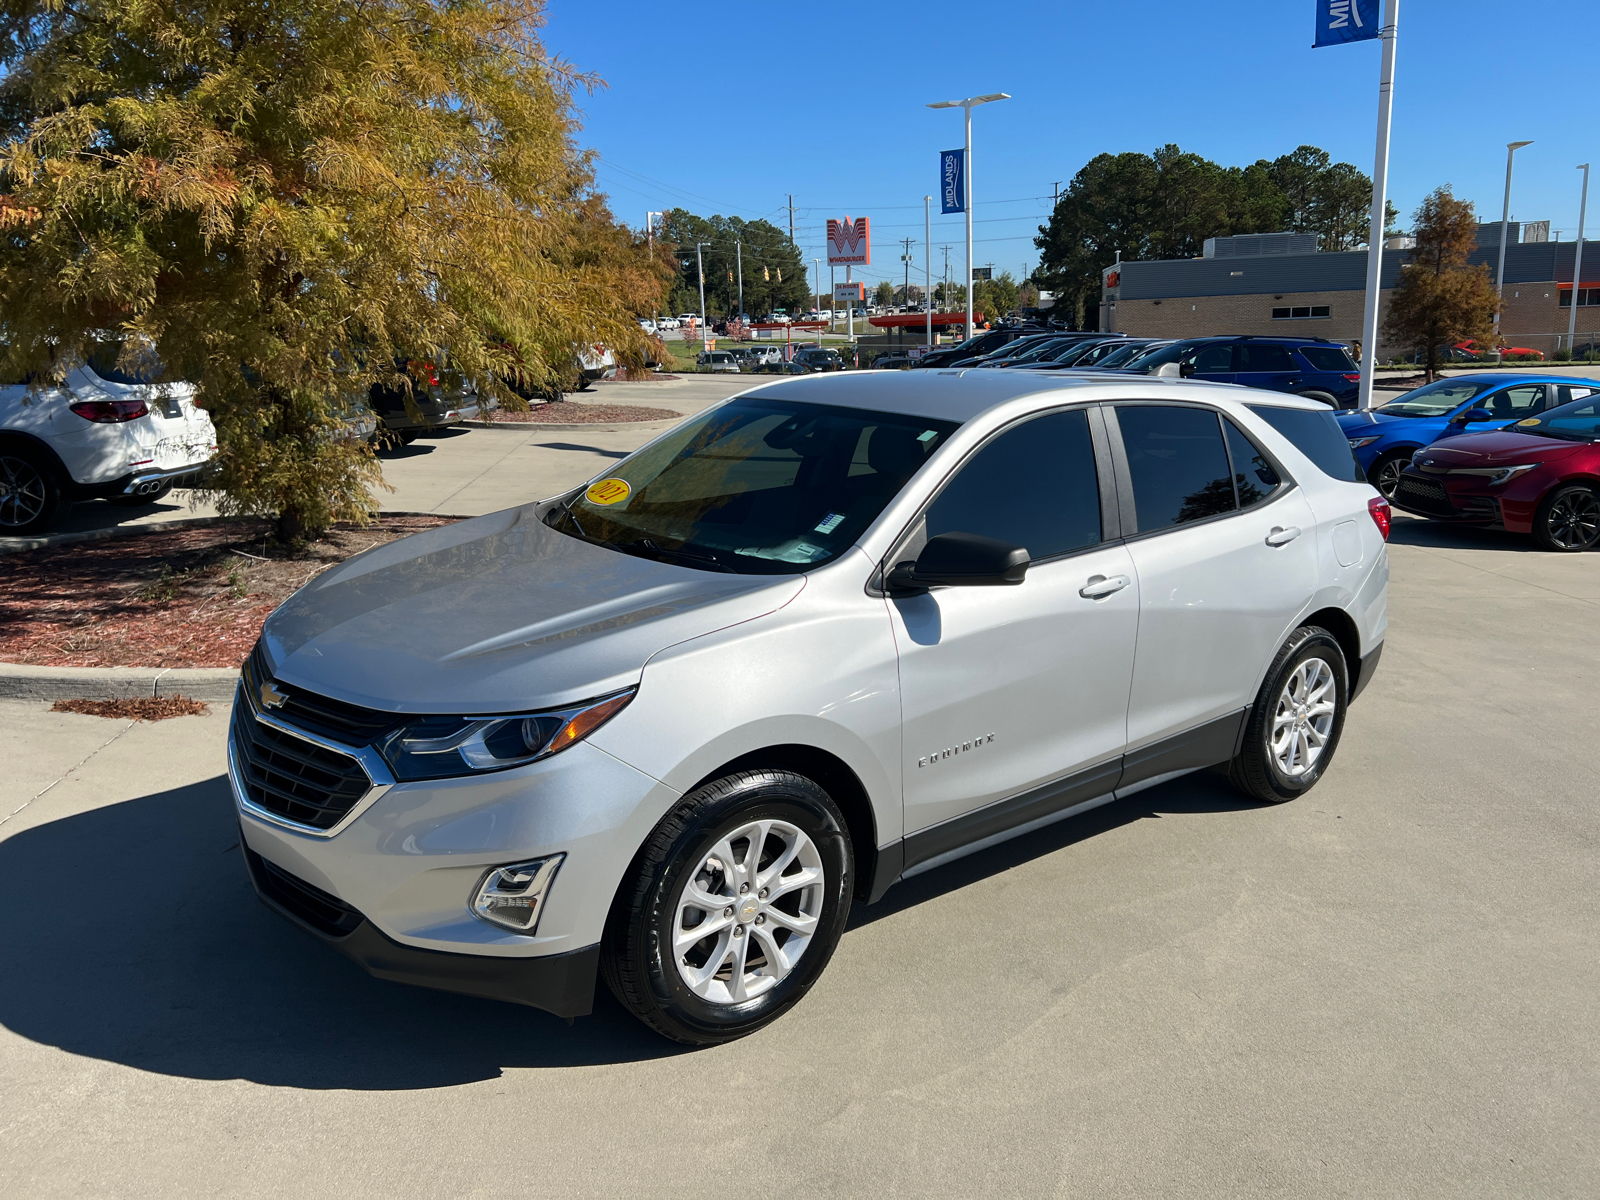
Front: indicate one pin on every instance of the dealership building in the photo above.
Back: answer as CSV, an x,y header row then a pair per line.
x,y
1277,283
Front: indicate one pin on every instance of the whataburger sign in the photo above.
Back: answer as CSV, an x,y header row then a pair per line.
x,y
849,243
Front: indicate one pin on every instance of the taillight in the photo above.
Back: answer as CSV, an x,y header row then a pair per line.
x,y
1356,378
110,412
1379,508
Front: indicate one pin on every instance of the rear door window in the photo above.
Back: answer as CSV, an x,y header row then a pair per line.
x,y
1260,356
1328,358
1177,463
1034,485
1254,476
1316,434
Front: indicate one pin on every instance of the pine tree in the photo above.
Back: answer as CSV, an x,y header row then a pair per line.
x,y
288,201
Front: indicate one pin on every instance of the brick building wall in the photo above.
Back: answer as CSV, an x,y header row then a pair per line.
x,y
1209,316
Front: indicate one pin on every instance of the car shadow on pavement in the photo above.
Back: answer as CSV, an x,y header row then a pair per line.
x,y
1200,792
586,449
410,450
130,934
1441,535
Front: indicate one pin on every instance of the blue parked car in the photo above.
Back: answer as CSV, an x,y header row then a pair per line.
x,y
1384,439
1311,367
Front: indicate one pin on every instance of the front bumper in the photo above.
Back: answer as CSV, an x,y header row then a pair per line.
x,y
1428,496
562,984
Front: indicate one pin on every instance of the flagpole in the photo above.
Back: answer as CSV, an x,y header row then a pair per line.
x,y
1380,196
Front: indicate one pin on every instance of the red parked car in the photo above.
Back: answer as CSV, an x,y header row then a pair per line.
x,y
1539,476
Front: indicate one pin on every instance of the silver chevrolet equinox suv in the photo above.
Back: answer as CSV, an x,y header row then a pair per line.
x,y
829,634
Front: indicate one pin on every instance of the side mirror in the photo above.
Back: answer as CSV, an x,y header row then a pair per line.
x,y
961,560
1169,371
1473,415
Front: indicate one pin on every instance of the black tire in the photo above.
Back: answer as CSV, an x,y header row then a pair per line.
x,y
1385,472
31,496
1256,771
1568,520
141,501
637,958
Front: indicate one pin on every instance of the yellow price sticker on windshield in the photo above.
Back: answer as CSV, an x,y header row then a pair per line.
x,y
607,491
1529,421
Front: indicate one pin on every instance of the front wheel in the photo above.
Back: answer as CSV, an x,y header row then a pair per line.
x,y
736,904
1385,473
1568,520
1293,728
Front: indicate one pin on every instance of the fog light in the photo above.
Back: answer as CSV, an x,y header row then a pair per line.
x,y
513,896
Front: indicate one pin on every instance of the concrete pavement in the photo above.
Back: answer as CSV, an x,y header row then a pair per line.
x,y
1387,988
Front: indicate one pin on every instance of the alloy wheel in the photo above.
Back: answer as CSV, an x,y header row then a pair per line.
x,y
1389,476
23,492
748,912
1303,721
1574,520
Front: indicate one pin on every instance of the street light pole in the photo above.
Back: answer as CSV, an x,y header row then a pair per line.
x,y
817,263
1505,226
738,258
967,106
1577,264
927,268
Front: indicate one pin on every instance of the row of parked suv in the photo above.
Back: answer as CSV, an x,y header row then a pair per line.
x,y
1314,368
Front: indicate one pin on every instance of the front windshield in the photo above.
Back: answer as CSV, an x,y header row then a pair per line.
x,y
756,486
1434,399
1120,356
1156,356
1575,422
1033,353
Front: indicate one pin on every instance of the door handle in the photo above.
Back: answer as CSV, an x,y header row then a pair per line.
x,y
1282,535
1099,587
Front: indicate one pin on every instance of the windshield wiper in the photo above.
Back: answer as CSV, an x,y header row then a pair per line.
x,y
651,548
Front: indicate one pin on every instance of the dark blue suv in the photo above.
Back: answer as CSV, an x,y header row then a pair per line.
x,y
1312,367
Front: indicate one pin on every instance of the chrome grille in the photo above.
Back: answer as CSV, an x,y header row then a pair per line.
x,y
292,778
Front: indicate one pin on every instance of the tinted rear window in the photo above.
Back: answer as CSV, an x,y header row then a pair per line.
x,y
1328,358
1316,435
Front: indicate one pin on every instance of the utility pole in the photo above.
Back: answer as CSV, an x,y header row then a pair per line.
x,y
738,257
700,262
906,258
944,293
650,230
791,218
1057,199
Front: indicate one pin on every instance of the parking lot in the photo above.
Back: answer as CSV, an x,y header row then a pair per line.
x,y
1389,987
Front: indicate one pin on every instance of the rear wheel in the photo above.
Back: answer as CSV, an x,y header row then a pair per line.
x,y
1385,473
737,902
1293,728
1568,519
30,493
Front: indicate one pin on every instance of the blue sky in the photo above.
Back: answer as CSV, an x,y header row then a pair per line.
x,y
729,108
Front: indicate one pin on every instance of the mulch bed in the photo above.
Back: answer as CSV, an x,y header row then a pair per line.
x,y
144,708
192,597
569,412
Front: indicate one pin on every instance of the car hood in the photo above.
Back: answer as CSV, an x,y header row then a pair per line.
x,y
1351,421
498,614
1499,447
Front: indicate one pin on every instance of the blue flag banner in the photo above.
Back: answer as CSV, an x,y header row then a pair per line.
x,y
952,181
1341,21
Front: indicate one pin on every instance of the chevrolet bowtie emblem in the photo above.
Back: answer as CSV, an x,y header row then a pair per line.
x,y
271,697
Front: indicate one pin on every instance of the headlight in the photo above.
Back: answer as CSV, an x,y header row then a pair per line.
x,y
1357,443
1495,475
439,747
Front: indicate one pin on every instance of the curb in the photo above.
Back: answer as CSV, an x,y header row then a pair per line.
x,y
552,426
21,545
19,682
